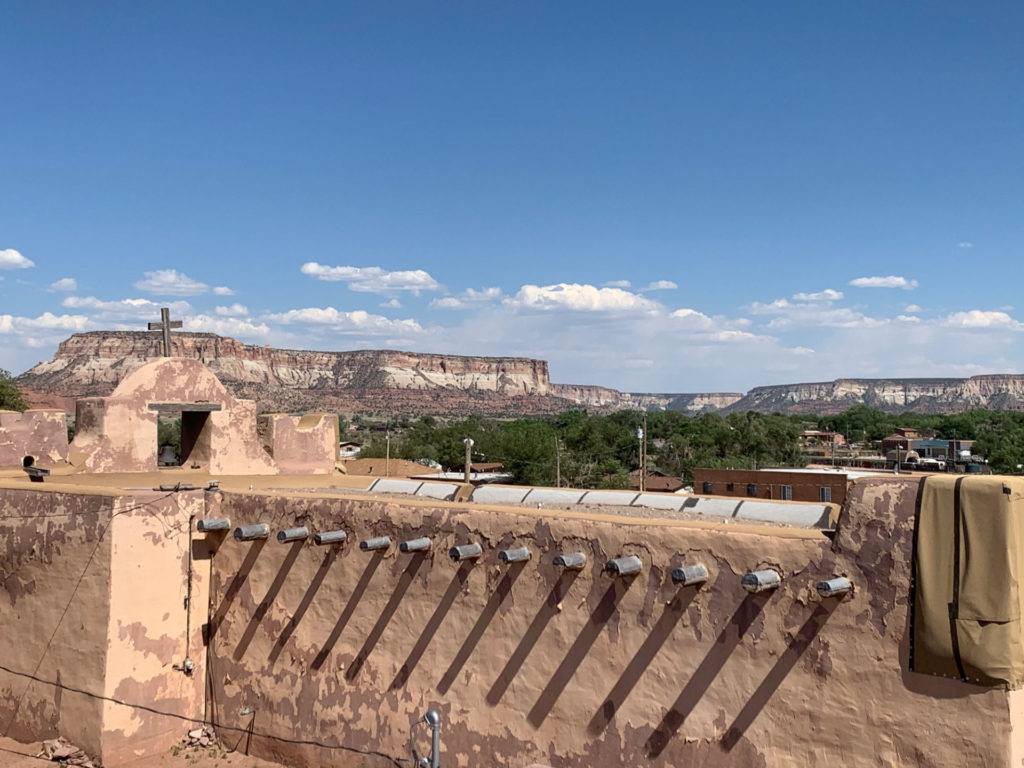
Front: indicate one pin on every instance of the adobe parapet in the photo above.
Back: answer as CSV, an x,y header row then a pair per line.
x,y
527,661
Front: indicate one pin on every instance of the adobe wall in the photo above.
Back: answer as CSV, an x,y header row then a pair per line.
x,y
93,618
525,664
300,444
42,434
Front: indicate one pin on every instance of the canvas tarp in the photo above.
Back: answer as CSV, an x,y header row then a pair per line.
x,y
968,563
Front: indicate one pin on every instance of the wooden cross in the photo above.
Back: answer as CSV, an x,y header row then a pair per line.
x,y
165,325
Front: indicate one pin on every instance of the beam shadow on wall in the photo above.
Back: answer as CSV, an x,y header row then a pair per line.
x,y
549,609
433,624
642,658
236,585
385,615
267,601
348,610
704,675
581,646
325,565
494,602
782,668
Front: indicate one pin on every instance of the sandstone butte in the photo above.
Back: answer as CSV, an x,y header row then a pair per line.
x,y
385,381
139,605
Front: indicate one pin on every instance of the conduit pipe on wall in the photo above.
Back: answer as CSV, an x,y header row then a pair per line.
x,y
761,581
837,587
465,552
520,555
572,561
209,524
689,575
415,545
624,566
293,534
329,537
252,532
379,542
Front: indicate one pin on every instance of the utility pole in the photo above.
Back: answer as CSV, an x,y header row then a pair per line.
x,y
558,464
642,436
387,451
469,454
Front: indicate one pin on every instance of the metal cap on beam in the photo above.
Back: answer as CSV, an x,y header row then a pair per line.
x,y
293,534
379,542
208,524
415,545
688,575
837,587
572,561
329,537
761,581
520,555
252,532
624,566
465,552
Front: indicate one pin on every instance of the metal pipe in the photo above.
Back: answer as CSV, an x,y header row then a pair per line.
x,y
293,534
329,537
252,532
433,719
837,587
208,524
379,542
465,552
415,545
573,561
520,555
761,581
624,566
688,575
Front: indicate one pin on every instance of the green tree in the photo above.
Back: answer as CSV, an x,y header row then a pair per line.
x,y
10,395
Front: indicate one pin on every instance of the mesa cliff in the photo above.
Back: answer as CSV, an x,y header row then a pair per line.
x,y
387,381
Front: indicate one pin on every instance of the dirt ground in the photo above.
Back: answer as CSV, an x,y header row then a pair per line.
x,y
14,754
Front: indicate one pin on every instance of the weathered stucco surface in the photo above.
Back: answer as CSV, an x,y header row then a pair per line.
x,y
528,664
300,444
93,617
325,655
42,434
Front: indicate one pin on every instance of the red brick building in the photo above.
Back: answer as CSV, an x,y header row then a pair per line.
x,y
778,484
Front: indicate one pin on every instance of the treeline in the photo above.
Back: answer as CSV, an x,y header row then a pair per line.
x,y
599,451
586,451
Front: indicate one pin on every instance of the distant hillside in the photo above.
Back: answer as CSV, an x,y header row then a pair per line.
x,y
385,381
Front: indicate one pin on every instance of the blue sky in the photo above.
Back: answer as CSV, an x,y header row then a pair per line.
x,y
653,197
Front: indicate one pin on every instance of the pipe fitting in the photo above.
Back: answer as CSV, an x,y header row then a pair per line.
x,y
293,534
837,587
624,566
252,532
415,545
377,543
210,524
329,537
520,555
465,552
688,575
761,581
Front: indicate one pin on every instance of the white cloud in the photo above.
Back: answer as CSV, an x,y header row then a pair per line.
x,y
468,298
976,318
11,259
581,298
235,310
225,326
892,281
392,304
45,322
346,322
617,284
826,295
811,314
965,245
64,284
692,318
661,285
912,308
223,290
373,279
170,282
